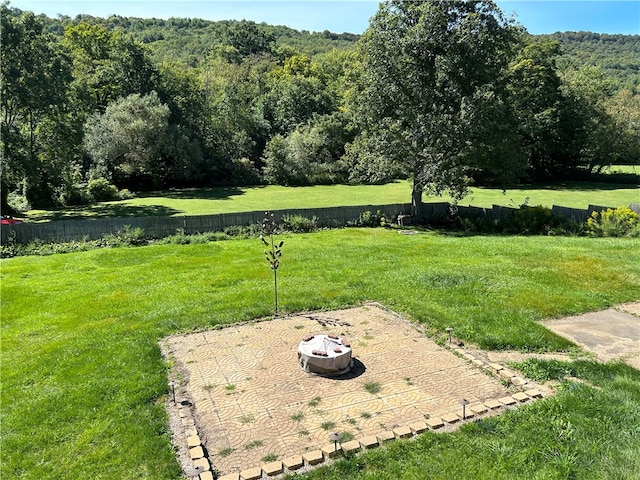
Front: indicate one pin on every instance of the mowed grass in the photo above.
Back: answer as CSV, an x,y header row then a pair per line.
x,y
246,199
83,381
628,169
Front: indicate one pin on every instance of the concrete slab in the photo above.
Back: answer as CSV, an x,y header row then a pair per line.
x,y
610,334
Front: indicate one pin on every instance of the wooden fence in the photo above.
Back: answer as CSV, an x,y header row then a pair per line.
x,y
159,227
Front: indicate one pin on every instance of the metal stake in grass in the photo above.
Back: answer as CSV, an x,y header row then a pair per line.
x,y
273,252
449,329
173,390
335,438
464,402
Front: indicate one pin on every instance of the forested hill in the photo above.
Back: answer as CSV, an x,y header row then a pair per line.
x,y
617,55
186,39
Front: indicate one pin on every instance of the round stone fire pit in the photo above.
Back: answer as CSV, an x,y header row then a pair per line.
x,y
327,355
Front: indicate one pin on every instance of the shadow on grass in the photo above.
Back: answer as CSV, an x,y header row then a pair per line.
x,y
106,211
215,193
572,186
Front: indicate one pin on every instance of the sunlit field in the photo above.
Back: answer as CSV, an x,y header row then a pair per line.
x,y
272,197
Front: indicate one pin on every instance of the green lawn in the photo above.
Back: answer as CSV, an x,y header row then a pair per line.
x,y
83,381
245,199
632,169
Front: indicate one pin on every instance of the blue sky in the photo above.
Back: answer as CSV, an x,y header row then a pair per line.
x,y
538,16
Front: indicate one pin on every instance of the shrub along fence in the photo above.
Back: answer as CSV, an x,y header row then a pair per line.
x,y
159,227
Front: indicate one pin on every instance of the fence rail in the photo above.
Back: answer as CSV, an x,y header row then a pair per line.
x,y
158,227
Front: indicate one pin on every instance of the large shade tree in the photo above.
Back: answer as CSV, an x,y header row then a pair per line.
x,y
431,72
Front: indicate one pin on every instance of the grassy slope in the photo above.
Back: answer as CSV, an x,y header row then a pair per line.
x,y
83,379
245,199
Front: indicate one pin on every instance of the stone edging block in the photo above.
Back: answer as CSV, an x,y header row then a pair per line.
x,y
418,427
313,457
451,418
293,463
231,476
350,447
507,400
202,463
520,397
492,404
369,442
478,409
251,474
436,422
402,432
196,452
330,450
272,468
193,441
534,393
385,436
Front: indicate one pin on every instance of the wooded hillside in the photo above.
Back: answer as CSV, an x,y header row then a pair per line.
x,y
187,39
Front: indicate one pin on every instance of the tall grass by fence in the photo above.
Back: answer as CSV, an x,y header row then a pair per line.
x,y
159,227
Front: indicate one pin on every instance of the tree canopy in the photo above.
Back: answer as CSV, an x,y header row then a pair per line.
x,y
429,69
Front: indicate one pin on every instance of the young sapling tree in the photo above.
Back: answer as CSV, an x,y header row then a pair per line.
x,y
273,253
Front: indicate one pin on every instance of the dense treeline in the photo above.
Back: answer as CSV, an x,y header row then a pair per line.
x,y
618,56
92,107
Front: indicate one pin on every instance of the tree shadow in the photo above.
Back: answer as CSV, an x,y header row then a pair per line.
x,y
107,211
213,193
573,186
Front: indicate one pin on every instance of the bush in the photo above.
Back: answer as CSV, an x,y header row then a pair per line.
x,y
368,219
74,195
248,231
244,172
100,190
614,222
18,202
299,224
125,194
526,220
126,237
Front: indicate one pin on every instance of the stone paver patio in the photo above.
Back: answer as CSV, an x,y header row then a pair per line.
x,y
252,404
